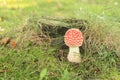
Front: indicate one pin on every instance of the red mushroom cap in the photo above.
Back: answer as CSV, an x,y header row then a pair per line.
x,y
73,37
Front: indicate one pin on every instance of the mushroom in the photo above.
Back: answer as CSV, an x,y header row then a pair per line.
x,y
73,39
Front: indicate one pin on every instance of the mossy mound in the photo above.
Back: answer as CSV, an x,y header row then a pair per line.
x,y
50,31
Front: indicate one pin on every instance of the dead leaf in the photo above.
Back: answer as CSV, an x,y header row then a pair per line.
x,y
2,71
12,43
5,41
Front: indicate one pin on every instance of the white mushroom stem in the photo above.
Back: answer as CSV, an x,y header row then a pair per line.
x,y
74,55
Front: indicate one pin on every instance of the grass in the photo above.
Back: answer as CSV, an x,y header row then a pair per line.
x,y
38,62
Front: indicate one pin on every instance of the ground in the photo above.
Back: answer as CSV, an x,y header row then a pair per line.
x,y
38,62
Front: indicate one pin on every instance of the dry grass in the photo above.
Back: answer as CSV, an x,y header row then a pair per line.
x,y
97,38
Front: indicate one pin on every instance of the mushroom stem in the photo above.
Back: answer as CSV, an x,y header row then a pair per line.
x,y
74,55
